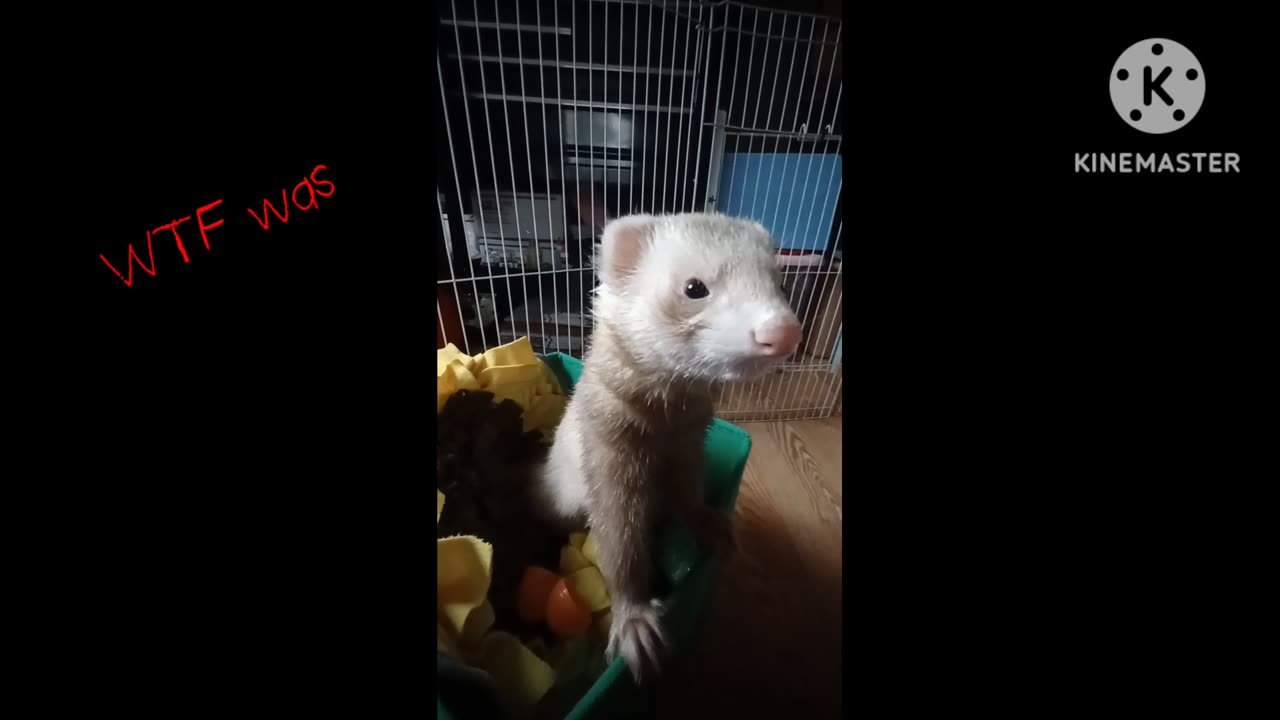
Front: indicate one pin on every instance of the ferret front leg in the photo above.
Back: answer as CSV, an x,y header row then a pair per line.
x,y
685,492
559,486
623,515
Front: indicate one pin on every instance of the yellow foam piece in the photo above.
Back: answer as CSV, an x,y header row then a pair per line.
x,y
464,563
453,373
538,647
464,617
591,588
511,372
578,566
572,560
521,676
477,624
544,412
589,549
463,568
496,375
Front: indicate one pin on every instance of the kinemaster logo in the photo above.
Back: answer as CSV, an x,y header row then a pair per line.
x,y
1157,87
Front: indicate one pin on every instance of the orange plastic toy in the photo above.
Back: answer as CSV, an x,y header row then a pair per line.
x,y
534,593
567,614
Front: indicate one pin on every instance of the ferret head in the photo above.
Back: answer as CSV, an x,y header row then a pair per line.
x,y
697,295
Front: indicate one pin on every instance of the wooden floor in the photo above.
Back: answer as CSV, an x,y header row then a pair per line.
x,y
771,646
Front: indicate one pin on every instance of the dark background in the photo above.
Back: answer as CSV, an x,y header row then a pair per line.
x,y
246,340
1062,367
166,144
1044,435
236,435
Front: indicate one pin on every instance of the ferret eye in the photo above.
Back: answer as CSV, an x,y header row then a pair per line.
x,y
695,290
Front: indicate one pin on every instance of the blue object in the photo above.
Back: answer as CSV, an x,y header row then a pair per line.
x,y
793,195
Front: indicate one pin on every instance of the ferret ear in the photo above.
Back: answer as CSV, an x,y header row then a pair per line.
x,y
623,245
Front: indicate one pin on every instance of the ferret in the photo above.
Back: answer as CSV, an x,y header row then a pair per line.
x,y
684,300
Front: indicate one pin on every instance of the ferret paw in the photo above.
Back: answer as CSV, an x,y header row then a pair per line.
x,y
713,531
637,636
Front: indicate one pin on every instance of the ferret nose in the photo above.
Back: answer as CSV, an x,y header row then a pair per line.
x,y
777,337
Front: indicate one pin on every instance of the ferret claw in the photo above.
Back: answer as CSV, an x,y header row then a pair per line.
x,y
637,636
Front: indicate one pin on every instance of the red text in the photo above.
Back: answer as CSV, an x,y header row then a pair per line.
x,y
177,238
312,186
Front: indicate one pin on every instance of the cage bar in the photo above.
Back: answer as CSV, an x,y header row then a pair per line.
x,y
679,115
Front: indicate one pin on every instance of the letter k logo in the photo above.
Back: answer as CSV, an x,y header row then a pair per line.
x,y
1169,72
1156,87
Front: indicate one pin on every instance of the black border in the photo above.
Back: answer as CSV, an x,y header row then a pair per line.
x,y
1045,510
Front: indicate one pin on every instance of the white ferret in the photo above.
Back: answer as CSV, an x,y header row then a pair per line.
x,y
684,300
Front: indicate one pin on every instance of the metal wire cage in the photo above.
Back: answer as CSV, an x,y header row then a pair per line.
x,y
560,115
